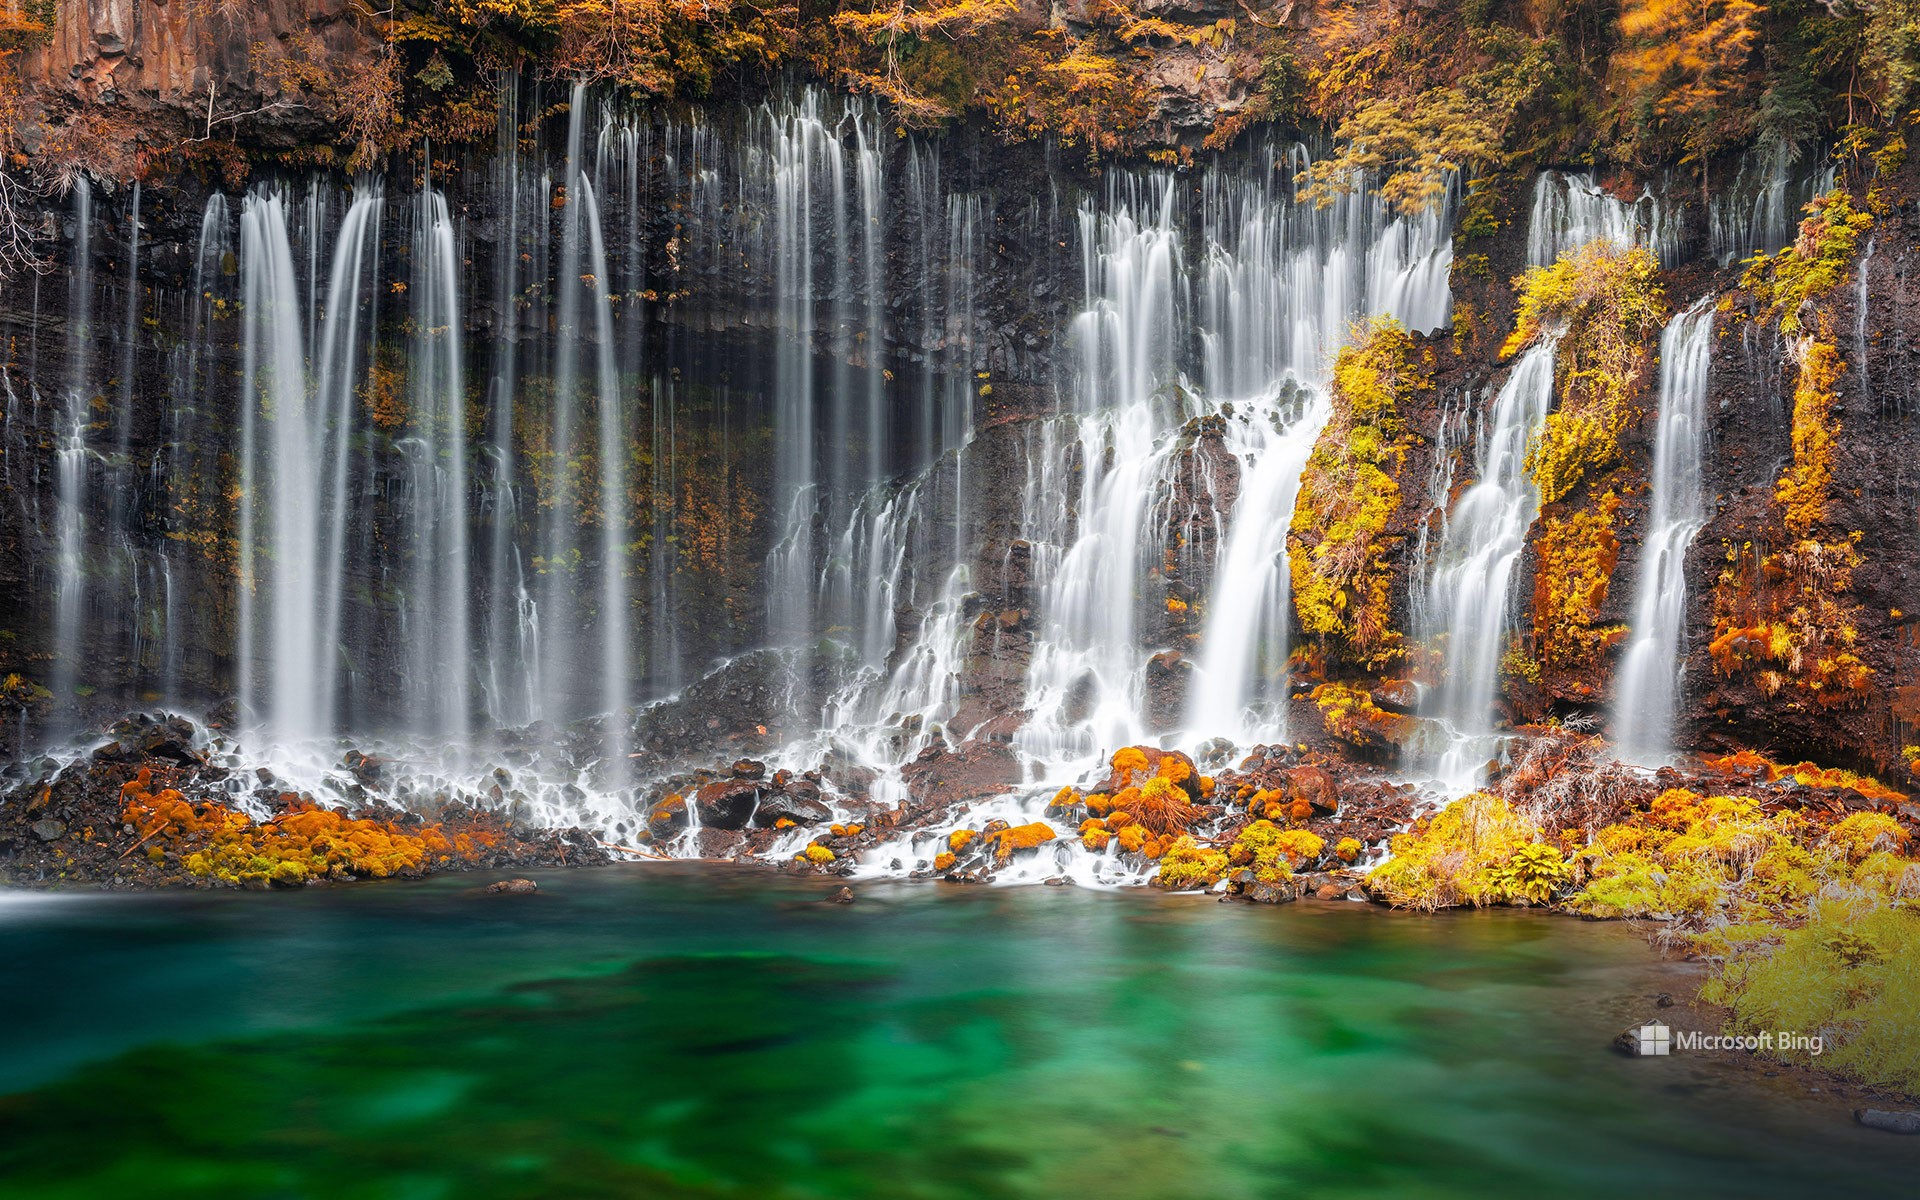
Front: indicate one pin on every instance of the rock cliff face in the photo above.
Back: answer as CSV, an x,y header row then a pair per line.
x,y
182,64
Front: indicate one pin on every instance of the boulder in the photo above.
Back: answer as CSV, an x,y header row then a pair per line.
x,y
840,895
1396,696
513,887
48,829
1190,780
727,803
1268,893
710,842
942,777
791,805
1316,787
668,818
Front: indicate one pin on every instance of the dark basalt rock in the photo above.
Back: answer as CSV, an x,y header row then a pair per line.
x,y
792,805
942,777
668,818
727,804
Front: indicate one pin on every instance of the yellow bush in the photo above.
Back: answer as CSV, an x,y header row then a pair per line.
x,y
1455,857
1186,865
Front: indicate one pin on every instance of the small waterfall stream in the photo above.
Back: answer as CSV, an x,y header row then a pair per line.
x,y
1651,672
1468,603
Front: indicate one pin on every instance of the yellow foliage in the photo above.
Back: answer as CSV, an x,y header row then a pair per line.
x,y
1186,865
1578,553
1464,854
1349,492
1803,487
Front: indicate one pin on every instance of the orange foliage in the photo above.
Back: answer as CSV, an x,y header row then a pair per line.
x,y
1806,774
304,843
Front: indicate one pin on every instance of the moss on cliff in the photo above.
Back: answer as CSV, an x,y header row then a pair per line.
x,y
1339,558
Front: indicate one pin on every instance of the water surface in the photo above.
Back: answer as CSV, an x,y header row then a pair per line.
x,y
681,1031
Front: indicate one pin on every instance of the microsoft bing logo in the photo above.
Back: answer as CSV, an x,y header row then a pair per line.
x,y
1653,1038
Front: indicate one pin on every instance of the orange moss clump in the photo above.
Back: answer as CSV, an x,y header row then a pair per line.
x,y
1021,837
816,853
943,861
1126,761
1352,716
304,843
960,839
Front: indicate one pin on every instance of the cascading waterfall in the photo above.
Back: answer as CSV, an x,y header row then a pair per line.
x,y
187,461
1083,682
1651,673
435,617
1571,210
512,677
70,583
1281,288
1467,603
296,445
1758,211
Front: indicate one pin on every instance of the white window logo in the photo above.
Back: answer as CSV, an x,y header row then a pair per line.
x,y
1655,1038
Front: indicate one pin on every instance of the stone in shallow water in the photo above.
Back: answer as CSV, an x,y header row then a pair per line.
x,y
513,887
1887,1121
840,895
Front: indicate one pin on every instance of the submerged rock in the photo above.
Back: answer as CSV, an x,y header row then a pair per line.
x,y
1888,1121
513,887
840,895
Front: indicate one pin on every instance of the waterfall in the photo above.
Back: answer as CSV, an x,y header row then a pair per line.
x,y
1860,305
612,449
512,677
435,615
1759,210
1571,210
71,454
1652,670
802,149
1468,596
295,445
1282,286
189,463
1083,684
1240,692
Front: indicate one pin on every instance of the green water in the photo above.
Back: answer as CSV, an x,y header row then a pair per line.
x,y
683,1032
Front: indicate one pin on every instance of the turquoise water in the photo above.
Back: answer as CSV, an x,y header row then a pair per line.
x,y
690,1032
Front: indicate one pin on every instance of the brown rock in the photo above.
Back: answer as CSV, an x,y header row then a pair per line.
x,y
1316,787
727,803
513,887
1396,696
942,777
668,817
